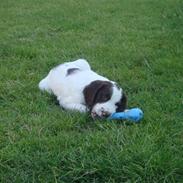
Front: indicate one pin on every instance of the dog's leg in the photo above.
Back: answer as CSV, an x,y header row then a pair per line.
x,y
82,64
43,85
74,106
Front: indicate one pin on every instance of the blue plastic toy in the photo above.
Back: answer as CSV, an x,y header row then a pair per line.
x,y
134,114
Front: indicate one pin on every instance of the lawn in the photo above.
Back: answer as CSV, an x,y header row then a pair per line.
x,y
138,43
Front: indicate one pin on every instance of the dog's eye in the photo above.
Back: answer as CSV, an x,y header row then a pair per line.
x,y
118,105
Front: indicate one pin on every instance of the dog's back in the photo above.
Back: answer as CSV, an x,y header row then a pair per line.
x,y
69,78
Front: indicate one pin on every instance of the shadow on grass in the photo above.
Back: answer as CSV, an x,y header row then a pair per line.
x,y
83,122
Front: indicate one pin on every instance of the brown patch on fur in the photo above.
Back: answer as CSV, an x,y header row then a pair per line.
x,y
72,71
122,105
97,92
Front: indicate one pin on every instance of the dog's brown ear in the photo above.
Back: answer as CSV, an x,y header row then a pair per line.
x,y
97,92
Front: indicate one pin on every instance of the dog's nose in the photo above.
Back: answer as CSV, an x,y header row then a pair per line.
x,y
105,114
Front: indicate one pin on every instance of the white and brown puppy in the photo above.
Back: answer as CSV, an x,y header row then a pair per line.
x,y
79,88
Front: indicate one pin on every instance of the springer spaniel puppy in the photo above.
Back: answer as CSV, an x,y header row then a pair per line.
x,y
79,88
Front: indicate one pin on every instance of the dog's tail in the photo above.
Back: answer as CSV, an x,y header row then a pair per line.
x,y
43,85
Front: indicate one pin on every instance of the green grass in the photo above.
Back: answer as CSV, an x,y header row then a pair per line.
x,y
138,43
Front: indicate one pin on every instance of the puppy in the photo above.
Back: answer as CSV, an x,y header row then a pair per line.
x,y
79,88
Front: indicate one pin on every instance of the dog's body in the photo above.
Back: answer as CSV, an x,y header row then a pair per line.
x,y
79,88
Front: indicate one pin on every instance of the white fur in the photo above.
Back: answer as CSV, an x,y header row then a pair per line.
x,y
69,89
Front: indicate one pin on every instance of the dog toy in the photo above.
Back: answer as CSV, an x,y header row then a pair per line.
x,y
134,114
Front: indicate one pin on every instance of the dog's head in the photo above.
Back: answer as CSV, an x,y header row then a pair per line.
x,y
104,98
